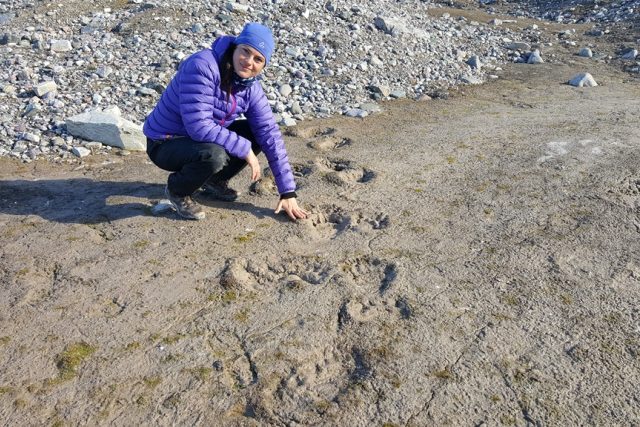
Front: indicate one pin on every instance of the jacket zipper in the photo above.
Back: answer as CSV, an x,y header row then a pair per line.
x,y
233,110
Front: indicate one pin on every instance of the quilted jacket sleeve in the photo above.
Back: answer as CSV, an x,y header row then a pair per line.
x,y
267,133
199,86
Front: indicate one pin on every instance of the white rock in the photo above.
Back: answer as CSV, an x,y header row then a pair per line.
x,y
61,45
285,90
585,52
45,87
109,128
80,151
535,58
583,79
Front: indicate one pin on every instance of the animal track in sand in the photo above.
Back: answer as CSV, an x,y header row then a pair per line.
x,y
327,143
327,221
312,132
374,274
344,172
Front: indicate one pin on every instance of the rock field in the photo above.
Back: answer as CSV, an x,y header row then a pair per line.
x,y
63,59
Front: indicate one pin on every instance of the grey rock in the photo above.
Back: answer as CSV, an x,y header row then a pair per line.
x,y
370,107
145,91
398,94
288,122
45,87
630,55
161,207
80,151
381,89
535,58
197,28
472,80
375,61
61,45
295,108
583,79
285,90
237,8
31,137
356,112
474,62
585,52
108,127
104,71
518,46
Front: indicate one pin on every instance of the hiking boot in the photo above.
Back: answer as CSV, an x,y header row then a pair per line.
x,y
185,206
220,190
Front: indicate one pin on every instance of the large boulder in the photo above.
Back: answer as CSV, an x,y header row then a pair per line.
x,y
108,127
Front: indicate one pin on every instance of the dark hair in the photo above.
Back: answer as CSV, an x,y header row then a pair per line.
x,y
226,70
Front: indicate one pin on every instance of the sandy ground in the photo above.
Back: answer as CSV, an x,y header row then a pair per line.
x,y
470,260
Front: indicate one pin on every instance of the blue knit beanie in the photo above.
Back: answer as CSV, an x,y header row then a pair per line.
x,y
258,37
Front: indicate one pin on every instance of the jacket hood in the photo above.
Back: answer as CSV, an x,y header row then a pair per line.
x,y
220,46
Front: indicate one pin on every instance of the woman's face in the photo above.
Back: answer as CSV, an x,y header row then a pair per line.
x,y
247,62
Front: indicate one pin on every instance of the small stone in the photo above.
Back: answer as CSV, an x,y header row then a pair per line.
x,y
398,94
161,207
495,21
356,112
295,108
585,52
518,46
472,80
197,28
288,122
535,58
61,45
381,89
285,90
145,91
630,55
371,107
45,87
31,137
582,80
238,8
375,61
104,71
9,90
80,151
474,62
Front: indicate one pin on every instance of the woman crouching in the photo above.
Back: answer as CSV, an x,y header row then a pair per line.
x,y
193,131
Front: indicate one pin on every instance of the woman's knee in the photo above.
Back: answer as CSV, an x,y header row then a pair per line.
x,y
214,156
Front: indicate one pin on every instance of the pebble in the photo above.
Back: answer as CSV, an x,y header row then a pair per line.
x,y
285,90
45,87
80,151
356,112
585,52
535,58
61,45
161,207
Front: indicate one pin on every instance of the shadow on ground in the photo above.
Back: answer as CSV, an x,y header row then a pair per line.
x,y
77,200
85,201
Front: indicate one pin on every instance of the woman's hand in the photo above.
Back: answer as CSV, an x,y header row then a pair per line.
x,y
292,209
252,160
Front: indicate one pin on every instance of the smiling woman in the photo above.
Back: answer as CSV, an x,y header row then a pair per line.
x,y
193,132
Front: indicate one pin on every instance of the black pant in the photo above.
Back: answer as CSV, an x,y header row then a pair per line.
x,y
193,163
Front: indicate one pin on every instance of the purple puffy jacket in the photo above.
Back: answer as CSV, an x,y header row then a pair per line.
x,y
194,105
